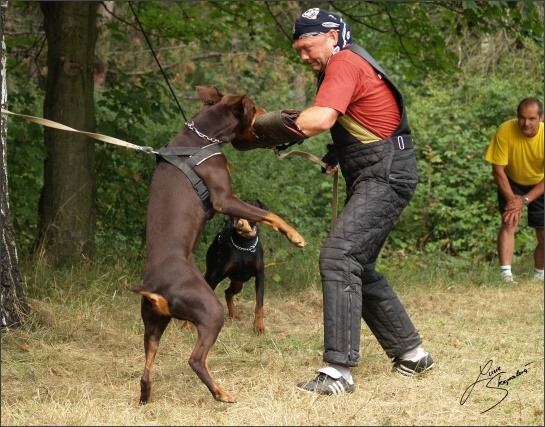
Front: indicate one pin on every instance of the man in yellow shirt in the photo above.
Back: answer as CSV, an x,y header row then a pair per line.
x,y
516,154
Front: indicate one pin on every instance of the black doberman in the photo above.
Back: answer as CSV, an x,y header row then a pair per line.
x,y
186,190
238,255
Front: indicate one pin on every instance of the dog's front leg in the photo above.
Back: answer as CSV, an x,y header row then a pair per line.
x,y
278,224
259,324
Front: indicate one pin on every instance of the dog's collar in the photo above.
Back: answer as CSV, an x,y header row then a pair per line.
x,y
192,127
249,249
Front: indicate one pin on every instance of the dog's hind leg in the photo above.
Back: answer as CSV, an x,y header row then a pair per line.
x,y
209,325
154,326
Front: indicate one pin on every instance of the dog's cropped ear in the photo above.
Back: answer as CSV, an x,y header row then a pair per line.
x,y
209,94
248,115
242,107
249,108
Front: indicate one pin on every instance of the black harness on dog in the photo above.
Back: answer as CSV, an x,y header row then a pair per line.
x,y
197,155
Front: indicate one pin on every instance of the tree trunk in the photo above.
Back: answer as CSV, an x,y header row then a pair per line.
x,y
67,208
13,304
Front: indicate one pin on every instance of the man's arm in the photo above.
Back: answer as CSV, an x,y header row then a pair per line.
x,y
517,201
513,212
285,126
536,192
315,120
498,171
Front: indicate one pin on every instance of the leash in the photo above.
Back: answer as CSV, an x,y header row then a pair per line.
x,y
170,154
313,158
104,138
150,150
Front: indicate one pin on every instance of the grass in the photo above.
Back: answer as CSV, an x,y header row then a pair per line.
x,y
79,358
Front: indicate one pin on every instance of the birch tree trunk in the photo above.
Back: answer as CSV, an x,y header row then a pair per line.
x,y
13,304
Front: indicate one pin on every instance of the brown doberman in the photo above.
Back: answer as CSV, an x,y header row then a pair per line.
x,y
190,183
238,255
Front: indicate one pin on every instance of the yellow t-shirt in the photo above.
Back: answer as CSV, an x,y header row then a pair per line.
x,y
521,156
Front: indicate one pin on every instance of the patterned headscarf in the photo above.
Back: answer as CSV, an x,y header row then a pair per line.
x,y
318,21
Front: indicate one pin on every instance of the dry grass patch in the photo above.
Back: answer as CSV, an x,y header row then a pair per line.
x,y
79,360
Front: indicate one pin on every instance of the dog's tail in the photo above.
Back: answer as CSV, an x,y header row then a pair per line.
x,y
160,304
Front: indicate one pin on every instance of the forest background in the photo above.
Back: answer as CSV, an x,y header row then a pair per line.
x,y
461,69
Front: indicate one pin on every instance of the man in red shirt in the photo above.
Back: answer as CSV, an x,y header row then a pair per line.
x,y
372,144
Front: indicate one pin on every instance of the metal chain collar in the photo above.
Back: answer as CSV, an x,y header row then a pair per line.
x,y
250,249
192,127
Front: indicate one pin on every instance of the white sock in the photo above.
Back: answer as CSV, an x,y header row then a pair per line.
x,y
336,371
506,269
414,355
538,272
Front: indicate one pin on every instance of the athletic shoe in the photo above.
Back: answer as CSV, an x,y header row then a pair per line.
x,y
411,368
508,276
324,384
538,276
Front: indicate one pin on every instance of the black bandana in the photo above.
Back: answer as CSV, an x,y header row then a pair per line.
x,y
317,21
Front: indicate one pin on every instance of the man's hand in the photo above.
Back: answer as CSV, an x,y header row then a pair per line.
x,y
331,169
515,204
513,210
512,217
331,160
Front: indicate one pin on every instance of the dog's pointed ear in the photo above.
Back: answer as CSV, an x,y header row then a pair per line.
x,y
243,109
209,94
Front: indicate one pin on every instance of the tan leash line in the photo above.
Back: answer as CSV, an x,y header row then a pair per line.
x,y
104,138
313,158
115,141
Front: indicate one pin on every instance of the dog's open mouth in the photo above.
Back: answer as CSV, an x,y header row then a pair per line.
x,y
245,229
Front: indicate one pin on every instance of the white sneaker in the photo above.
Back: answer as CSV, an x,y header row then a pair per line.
x,y
538,276
507,276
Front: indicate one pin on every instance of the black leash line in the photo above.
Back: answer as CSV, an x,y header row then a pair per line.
x,y
157,60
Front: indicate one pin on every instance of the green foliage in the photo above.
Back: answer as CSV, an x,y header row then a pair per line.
x,y
25,152
123,175
411,54
526,19
454,209
456,91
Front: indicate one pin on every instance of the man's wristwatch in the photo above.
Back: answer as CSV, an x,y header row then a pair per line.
x,y
525,201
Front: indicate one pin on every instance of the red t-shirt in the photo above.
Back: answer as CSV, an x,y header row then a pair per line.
x,y
351,86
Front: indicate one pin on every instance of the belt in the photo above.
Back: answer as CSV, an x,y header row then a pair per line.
x,y
402,142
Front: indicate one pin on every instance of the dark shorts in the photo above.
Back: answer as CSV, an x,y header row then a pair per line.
x,y
535,208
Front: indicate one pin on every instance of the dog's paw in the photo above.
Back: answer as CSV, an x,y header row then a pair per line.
x,y
297,240
223,396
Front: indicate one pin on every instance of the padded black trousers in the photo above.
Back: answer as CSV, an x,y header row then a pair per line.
x,y
380,182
